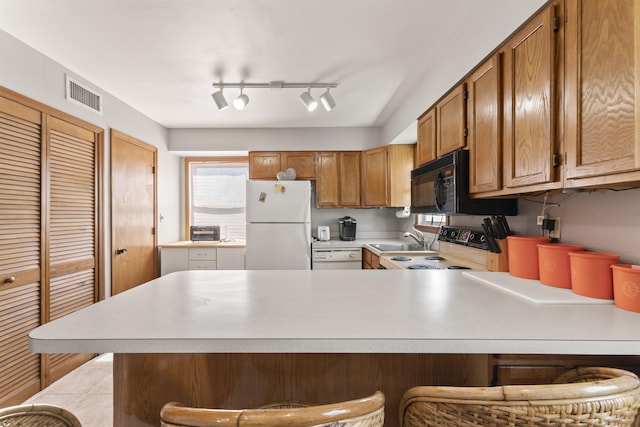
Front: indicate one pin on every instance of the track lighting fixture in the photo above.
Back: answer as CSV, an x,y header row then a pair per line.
x,y
218,98
241,101
307,100
327,100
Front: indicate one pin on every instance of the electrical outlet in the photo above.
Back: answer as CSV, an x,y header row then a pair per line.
x,y
555,233
539,219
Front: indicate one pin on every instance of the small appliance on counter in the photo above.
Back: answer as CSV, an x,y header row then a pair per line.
x,y
347,228
324,233
204,233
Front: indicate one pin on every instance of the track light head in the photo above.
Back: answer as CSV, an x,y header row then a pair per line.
x,y
218,98
241,101
327,100
308,101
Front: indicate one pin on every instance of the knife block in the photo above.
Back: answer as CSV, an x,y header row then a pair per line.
x,y
499,262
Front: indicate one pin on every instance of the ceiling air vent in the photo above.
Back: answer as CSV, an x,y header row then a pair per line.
x,y
83,96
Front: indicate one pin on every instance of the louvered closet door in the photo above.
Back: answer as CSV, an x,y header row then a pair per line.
x,y
72,226
20,235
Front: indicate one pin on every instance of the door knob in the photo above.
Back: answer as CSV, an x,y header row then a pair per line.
x,y
121,251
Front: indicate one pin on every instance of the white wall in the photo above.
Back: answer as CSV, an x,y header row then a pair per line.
x,y
279,139
601,221
29,73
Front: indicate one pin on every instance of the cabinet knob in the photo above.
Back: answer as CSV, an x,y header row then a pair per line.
x,y
120,251
10,280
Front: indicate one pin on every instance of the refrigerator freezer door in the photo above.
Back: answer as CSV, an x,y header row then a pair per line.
x,y
278,201
278,246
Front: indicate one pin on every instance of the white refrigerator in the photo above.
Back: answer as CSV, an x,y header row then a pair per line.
x,y
278,225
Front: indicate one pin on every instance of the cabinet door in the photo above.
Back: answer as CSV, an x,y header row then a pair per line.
x,y
400,164
602,86
426,145
302,161
451,123
529,113
349,179
327,189
264,165
230,259
485,127
173,259
374,177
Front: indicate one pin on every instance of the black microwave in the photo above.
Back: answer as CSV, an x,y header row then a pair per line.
x,y
442,187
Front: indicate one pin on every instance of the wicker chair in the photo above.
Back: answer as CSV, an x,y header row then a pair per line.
x,y
365,412
37,415
589,397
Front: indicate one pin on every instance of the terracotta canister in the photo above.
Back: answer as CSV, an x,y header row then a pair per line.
x,y
626,287
523,256
553,263
591,274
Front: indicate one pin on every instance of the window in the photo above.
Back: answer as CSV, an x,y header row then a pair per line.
x,y
430,223
215,194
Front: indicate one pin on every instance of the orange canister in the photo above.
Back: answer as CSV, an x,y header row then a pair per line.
x,y
591,274
553,263
523,256
626,287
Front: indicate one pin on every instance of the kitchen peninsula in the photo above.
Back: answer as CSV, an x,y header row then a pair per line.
x,y
246,338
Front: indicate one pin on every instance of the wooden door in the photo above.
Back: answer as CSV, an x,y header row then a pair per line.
x,y
529,96
426,145
349,179
451,124
327,186
399,166
72,245
302,161
133,212
603,85
485,127
264,164
374,178
20,237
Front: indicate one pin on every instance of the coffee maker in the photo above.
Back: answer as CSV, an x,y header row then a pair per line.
x,y
347,226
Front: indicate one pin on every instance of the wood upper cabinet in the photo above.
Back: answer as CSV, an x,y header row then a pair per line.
x,y
485,126
302,161
338,179
266,164
530,111
451,125
602,127
426,145
386,176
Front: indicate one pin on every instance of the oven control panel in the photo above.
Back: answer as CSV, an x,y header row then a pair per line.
x,y
471,237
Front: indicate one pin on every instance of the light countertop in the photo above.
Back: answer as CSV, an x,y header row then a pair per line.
x,y
334,311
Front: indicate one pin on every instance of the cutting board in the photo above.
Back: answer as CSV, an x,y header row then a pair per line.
x,y
531,290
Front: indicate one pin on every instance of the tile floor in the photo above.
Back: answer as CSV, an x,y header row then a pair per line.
x,y
87,391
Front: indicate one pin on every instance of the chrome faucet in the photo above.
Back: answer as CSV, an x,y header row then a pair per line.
x,y
418,237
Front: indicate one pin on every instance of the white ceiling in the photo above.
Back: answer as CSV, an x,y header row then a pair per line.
x,y
161,56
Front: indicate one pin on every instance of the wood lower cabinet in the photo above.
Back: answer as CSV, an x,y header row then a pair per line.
x,y
485,127
426,144
370,261
531,79
386,176
266,164
519,369
451,125
602,89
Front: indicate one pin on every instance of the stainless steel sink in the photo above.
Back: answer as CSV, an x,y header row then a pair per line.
x,y
397,247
